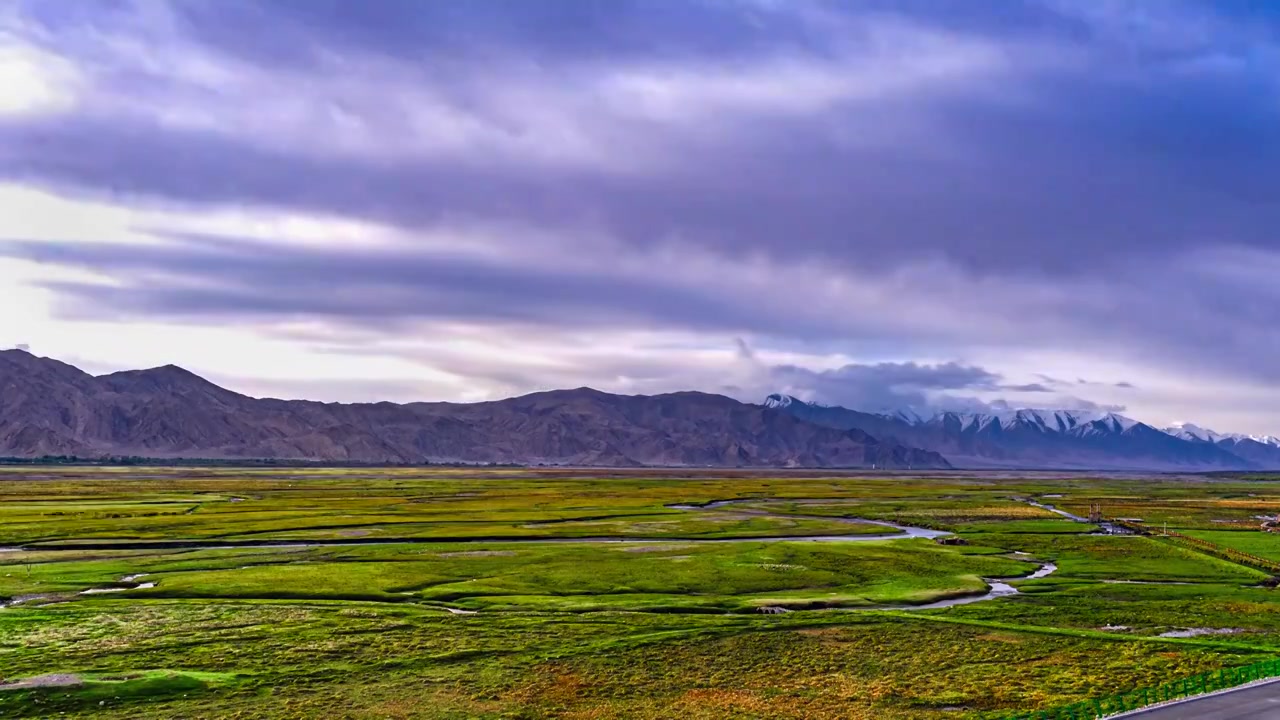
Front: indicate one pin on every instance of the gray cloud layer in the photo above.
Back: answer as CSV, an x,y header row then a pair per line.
x,y
919,177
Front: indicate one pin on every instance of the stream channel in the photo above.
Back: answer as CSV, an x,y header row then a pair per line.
x,y
998,587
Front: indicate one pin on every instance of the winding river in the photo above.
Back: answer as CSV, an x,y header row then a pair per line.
x,y
998,587
1107,527
900,532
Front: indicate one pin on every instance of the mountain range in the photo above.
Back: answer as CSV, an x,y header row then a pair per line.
x,y
50,408
1050,439
1261,450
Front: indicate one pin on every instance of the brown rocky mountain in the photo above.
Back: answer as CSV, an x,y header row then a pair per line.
x,y
51,408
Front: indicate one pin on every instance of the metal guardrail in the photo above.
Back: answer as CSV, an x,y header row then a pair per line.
x,y
1201,684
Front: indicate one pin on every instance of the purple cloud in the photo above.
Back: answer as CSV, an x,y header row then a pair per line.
x,y
913,178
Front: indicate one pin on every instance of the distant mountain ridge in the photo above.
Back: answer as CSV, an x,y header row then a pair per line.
x,y
1063,439
50,408
1188,431
1260,450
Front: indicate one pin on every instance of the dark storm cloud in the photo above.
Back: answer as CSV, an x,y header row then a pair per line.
x,y
884,386
1079,169
1052,384
291,31
922,387
1029,388
205,279
944,376
1027,206
215,279
1063,174
103,157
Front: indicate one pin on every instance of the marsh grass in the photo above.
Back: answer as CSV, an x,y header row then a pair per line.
x,y
664,627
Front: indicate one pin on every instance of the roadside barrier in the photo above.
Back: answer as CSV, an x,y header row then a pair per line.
x,y
1146,697
1224,553
1232,555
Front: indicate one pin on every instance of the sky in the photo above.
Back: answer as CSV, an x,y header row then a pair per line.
x,y
941,204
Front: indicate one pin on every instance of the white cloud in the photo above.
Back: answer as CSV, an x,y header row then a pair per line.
x,y
879,60
34,82
920,308
618,114
611,115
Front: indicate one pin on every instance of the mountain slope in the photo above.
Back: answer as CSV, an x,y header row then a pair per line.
x,y
1262,454
1262,451
1031,438
47,408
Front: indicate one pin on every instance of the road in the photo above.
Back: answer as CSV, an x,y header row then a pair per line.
x,y
1260,702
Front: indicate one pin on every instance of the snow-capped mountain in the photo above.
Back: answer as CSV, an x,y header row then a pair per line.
x,y
1109,423
1042,438
1188,431
1261,450
1194,433
1031,426
904,414
778,400
1060,421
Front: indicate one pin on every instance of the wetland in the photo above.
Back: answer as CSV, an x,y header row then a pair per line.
x,y
543,593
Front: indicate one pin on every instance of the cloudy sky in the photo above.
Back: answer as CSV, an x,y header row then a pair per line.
x,y
940,203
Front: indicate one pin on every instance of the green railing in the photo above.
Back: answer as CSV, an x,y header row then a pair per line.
x,y
1178,689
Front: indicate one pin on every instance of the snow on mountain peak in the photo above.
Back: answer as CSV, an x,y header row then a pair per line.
x,y
778,400
1195,433
1048,421
1101,423
1119,422
1082,423
907,415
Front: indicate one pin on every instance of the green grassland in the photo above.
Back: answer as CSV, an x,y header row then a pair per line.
x,y
1266,545
551,576
507,593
